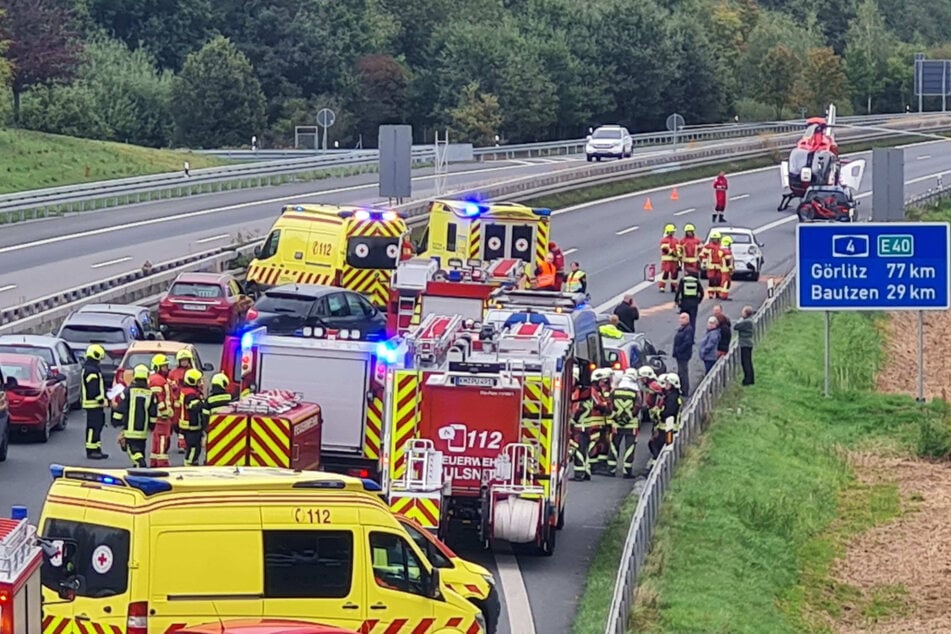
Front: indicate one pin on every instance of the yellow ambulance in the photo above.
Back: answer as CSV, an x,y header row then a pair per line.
x,y
485,231
147,551
346,246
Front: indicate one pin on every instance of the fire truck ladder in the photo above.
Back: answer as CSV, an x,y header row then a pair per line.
x,y
433,337
424,470
17,539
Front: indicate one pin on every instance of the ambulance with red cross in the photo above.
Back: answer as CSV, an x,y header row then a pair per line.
x,y
476,428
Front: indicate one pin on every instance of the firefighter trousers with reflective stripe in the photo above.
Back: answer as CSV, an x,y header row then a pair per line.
x,y
659,438
192,446
626,436
579,446
161,440
135,448
95,420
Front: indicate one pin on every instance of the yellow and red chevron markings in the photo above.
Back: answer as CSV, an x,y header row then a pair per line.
x,y
423,510
65,625
373,283
269,443
405,408
270,275
416,626
541,241
475,239
373,429
227,441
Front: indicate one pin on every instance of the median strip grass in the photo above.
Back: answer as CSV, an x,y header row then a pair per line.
x,y
763,507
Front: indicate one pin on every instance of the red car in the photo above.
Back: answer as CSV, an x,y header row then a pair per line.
x,y
200,301
36,396
262,626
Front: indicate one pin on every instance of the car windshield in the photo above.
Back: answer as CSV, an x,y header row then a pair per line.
x,y
43,353
138,358
19,371
93,334
285,303
602,133
195,289
798,160
740,238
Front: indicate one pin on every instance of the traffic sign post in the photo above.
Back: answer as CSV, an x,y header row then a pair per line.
x,y
675,123
325,118
874,267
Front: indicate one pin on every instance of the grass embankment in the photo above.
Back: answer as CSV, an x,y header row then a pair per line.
x,y
34,160
640,183
764,505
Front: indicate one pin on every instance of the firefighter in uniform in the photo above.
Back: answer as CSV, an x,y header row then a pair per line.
x,y
600,428
652,395
94,401
711,257
690,248
193,421
162,434
135,415
580,437
726,267
689,296
670,417
624,402
218,396
669,259
176,377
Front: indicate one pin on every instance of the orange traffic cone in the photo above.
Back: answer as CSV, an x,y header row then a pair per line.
x,y
648,206
674,195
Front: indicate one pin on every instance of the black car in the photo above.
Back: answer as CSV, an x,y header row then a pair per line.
x,y
141,314
827,203
292,308
632,350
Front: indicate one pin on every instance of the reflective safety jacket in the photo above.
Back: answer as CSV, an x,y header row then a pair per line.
x,y
163,397
711,256
218,399
610,331
93,388
690,248
576,282
670,416
137,411
690,288
176,381
669,249
624,402
193,417
726,260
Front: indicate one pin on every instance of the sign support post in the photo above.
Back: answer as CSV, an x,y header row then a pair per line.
x,y
828,357
921,356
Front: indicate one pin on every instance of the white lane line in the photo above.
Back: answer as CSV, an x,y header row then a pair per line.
x,y
628,230
923,157
213,238
216,210
521,162
111,262
739,197
685,211
569,251
8,287
517,606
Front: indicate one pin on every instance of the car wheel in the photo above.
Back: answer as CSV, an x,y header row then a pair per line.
x,y
63,418
598,159
44,434
754,276
590,158
4,443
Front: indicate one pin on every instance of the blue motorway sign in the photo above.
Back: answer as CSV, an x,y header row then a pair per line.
x,y
873,266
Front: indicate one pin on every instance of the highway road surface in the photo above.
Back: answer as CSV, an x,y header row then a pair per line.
x,y
613,240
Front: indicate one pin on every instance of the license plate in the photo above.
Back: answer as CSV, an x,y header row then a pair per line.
x,y
475,381
194,307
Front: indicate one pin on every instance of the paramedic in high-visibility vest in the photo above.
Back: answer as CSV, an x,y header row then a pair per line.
x,y
577,281
546,275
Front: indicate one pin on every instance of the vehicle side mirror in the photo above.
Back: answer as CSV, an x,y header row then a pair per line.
x,y
10,383
207,367
433,590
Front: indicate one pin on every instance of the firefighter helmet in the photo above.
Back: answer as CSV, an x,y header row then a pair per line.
x,y
689,228
673,379
715,235
670,230
192,377
159,361
647,372
184,355
95,352
140,373
601,374
631,373
727,241
221,380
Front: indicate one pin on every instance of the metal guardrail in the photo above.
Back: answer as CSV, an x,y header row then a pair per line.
x,y
695,417
931,198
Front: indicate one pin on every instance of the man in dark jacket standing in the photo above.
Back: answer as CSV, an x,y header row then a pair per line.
x,y
683,350
627,312
744,330
726,331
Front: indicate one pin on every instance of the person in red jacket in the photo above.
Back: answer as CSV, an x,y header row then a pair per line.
x,y
559,262
720,186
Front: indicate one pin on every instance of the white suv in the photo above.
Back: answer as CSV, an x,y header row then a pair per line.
x,y
609,141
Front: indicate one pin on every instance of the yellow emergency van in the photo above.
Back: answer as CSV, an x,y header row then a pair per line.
x,y
346,246
485,231
148,551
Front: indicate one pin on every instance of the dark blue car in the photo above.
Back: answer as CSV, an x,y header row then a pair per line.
x,y
291,308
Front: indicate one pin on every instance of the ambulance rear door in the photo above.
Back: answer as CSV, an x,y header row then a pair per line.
x,y
508,240
337,380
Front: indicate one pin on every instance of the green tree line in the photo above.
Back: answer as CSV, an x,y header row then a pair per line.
x,y
214,73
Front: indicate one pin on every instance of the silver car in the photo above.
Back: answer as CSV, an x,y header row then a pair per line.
x,y
56,353
747,252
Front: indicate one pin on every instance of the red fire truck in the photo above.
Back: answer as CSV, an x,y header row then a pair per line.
x,y
341,375
476,428
20,563
419,288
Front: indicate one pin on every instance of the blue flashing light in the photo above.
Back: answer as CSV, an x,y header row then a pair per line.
x,y
389,215
471,210
370,485
362,215
148,486
57,470
544,213
454,275
386,351
247,341
298,208
18,512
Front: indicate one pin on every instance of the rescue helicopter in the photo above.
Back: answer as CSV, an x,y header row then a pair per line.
x,y
815,161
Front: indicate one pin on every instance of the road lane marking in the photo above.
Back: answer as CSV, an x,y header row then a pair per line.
x,y
213,238
111,262
739,197
569,251
923,157
517,606
8,287
685,211
628,230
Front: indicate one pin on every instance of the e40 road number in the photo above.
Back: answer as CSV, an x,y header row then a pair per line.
x,y
312,516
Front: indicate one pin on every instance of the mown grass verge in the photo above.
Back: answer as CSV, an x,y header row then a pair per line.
x,y
764,504
34,160
650,181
